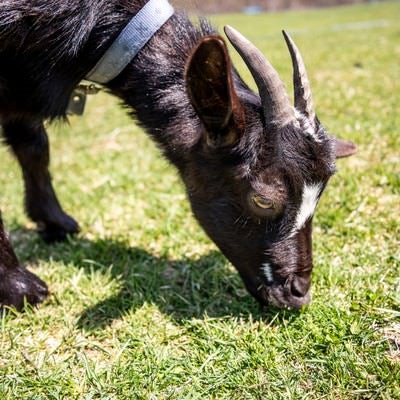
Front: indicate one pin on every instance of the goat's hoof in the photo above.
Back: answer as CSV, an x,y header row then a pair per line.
x,y
58,231
19,286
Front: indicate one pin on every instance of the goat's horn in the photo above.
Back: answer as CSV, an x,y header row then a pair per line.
x,y
303,100
274,97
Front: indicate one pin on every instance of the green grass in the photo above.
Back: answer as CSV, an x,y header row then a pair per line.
x,y
143,306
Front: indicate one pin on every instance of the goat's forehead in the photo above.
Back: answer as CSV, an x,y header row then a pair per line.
x,y
295,169
291,144
301,158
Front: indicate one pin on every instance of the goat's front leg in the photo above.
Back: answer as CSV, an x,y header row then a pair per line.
x,y
29,142
17,284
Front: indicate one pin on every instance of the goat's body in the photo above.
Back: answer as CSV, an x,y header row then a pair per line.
x,y
46,49
40,51
237,158
41,65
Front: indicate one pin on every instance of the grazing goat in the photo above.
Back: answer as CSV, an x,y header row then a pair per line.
x,y
253,165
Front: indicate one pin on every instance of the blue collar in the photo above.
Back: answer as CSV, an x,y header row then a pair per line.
x,y
141,28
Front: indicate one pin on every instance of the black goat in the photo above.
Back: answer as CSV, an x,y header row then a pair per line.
x,y
254,167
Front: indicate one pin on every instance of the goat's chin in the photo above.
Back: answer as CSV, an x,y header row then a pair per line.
x,y
276,297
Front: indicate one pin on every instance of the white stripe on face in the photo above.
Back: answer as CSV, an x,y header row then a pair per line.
x,y
267,270
308,204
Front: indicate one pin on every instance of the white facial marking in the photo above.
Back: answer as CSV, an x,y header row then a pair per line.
x,y
309,202
21,286
267,270
307,126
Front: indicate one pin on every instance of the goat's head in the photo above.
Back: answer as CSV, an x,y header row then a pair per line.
x,y
258,171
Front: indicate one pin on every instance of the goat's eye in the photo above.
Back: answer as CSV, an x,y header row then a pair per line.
x,y
262,202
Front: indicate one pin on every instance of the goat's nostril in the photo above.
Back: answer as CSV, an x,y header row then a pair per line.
x,y
299,288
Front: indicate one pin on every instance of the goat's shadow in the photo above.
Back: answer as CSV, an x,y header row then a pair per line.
x,y
183,289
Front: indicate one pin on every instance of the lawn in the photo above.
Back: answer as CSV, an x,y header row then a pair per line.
x,y
144,306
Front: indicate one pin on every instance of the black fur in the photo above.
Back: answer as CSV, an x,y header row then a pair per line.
x,y
48,47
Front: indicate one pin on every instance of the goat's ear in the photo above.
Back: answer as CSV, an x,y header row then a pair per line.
x,y
343,148
210,87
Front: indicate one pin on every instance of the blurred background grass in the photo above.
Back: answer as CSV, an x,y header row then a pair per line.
x,y
255,6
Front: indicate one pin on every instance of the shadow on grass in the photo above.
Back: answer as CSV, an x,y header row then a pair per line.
x,y
205,287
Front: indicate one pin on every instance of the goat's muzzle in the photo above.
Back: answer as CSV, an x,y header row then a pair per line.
x,y
294,292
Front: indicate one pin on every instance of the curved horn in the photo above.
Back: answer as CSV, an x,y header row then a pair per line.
x,y
303,100
274,97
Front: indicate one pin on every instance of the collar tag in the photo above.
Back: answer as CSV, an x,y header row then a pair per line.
x,y
77,101
141,28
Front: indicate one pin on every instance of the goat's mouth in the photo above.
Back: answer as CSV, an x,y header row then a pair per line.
x,y
283,296
293,293
277,297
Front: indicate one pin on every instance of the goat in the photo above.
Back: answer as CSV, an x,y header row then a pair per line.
x,y
254,166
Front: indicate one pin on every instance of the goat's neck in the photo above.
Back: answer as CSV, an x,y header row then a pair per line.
x,y
153,86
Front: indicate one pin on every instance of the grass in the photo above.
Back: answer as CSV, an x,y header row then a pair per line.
x,y
143,306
